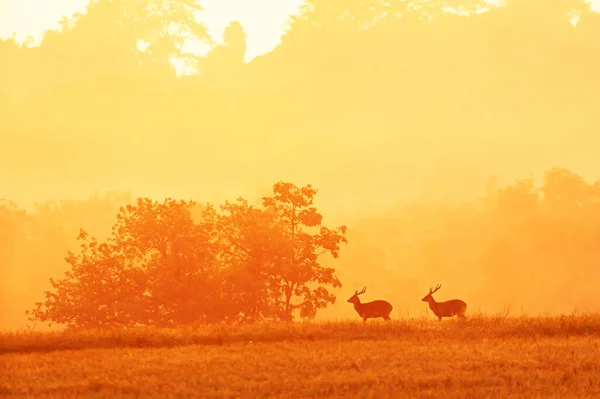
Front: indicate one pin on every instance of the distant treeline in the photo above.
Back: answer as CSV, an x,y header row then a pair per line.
x,y
528,248
396,87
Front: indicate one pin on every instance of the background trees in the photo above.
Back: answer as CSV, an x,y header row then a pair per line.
x,y
516,82
526,246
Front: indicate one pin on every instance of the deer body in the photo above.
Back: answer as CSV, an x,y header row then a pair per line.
x,y
371,310
453,307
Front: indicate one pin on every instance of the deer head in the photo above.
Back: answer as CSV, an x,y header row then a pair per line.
x,y
429,297
354,298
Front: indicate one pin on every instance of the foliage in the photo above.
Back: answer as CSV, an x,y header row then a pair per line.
x,y
299,268
161,268
99,289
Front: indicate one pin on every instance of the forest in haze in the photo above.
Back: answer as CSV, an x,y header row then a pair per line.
x,y
454,140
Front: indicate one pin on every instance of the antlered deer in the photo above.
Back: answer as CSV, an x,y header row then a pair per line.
x,y
370,310
445,309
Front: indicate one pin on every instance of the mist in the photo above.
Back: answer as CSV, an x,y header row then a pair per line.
x,y
456,150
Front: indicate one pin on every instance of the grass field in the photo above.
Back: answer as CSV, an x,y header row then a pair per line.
x,y
482,357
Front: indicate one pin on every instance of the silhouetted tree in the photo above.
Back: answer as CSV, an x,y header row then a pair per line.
x,y
299,274
252,243
101,288
160,267
175,254
155,269
223,64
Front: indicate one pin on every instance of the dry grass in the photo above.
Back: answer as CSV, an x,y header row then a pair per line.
x,y
481,357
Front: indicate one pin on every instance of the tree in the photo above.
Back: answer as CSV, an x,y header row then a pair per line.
x,y
155,269
547,10
252,244
333,14
108,34
299,275
99,42
101,288
176,255
168,24
224,62
564,192
161,267
272,261
235,39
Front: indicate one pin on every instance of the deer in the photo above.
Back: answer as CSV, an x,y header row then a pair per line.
x,y
371,310
445,309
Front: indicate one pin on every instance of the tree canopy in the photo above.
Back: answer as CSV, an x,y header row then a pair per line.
x,y
160,267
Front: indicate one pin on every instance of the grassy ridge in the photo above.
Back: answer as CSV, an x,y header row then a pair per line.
x,y
483,357
474,327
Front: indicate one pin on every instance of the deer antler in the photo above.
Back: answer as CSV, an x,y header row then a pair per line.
x,y
431,290
361,292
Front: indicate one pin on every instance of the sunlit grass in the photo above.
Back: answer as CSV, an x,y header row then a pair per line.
x,y
480,357
475,327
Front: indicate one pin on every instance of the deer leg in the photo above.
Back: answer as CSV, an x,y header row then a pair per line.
x,y
387,318
439,318
364,320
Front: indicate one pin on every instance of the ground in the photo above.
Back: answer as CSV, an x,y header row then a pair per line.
x,y
482,357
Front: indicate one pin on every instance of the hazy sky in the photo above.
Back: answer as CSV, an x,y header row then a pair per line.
x,y
263,20
424,122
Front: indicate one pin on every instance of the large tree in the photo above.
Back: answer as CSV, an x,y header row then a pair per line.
x,y
252,243
175,254
162,267
272,255
301,278
155,269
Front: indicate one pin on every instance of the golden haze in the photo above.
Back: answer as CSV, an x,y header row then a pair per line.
x,y
399,122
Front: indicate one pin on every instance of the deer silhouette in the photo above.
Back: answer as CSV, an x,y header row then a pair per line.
x,y
370,310
445,309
